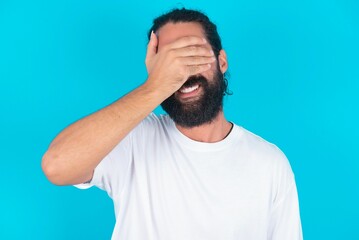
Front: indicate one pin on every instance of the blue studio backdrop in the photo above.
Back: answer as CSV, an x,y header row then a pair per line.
x,y
294,73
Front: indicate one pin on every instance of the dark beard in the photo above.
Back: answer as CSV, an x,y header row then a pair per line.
x,y
204,109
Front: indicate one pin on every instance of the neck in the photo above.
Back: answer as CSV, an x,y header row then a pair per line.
x,y
212,132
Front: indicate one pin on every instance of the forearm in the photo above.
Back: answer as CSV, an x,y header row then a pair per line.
x,y
78,149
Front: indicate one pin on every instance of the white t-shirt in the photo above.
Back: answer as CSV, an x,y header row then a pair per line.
x,y
166,186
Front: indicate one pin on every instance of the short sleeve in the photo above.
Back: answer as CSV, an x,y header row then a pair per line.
x,y
284,222
111,173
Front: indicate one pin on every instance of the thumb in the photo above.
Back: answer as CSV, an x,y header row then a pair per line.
x,y
152,46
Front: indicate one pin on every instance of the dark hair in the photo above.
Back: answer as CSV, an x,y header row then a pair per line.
x,y
186,15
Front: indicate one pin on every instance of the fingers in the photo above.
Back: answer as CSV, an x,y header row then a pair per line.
x,y
152,46
194,51
187,41
191,54
196,69
197,60
173,63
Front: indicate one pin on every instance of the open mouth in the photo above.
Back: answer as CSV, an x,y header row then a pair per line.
x,y
189,91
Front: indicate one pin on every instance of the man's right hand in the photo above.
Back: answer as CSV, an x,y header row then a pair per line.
x,y
170,67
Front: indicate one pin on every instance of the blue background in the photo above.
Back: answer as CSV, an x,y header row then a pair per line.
x,y
294,73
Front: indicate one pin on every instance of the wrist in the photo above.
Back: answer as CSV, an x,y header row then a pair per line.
x,y
157,90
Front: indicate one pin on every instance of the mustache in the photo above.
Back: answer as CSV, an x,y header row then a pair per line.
x,y
193,80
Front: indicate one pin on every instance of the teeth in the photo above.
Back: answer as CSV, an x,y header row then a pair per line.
x,y
189,89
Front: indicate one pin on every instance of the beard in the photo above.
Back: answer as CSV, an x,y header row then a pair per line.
x,y
201,110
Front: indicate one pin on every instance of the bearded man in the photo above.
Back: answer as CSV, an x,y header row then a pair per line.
x,y
189,174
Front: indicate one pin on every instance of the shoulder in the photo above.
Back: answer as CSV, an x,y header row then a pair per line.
x,y
265,152
270,158
260,145
152,124
153,121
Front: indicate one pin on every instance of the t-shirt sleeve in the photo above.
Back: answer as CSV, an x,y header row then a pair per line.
x,y
285,220
111,173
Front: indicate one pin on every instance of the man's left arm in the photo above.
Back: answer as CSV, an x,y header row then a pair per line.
x,y
285,223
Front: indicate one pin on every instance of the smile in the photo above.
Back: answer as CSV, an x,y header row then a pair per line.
x,y
189,89
187,92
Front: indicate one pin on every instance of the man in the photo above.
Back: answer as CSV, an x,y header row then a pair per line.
x,y
190,174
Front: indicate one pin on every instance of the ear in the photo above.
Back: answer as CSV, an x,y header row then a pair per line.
x,y
222,58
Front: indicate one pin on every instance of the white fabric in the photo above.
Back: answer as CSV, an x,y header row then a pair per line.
x,y
166,186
